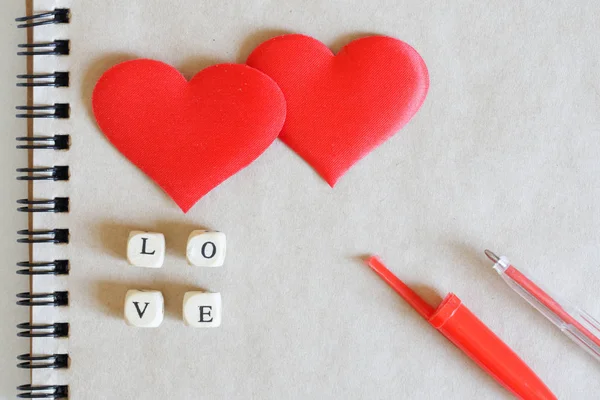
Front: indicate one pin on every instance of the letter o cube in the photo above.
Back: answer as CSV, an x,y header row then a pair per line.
x,y
206,249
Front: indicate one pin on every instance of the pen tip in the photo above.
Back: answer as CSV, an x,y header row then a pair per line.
x,y
492,256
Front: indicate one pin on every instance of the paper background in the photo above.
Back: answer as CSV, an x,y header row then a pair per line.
x,y
11,190
502,155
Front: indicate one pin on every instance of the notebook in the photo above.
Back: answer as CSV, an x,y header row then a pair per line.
x,y
503,154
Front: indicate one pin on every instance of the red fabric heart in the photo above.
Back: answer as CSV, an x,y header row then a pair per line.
x,y
340,107
188,136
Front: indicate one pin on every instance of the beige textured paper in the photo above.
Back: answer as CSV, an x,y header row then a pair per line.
x,y
503,154
10,159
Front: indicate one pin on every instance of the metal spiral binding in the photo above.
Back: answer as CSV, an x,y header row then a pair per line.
x,y
49,236
58,16
57,110
49,361
55,299
57,47
55,79
53,392
60,329
56,173
56,142
56,267
56,205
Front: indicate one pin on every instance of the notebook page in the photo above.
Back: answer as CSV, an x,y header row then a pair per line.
x,y
10,159
502,154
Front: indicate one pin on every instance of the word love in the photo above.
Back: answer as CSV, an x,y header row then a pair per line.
x,y
204,249
146,309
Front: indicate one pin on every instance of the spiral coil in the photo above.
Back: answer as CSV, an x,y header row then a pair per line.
x,y
56,330
57,205
57,47
54,236
55,361
56,267
55,79
43,299
56,173
43,392
57,110
58,16
56,142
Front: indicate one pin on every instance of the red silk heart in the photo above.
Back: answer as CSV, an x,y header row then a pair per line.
x,y
188,136
340,107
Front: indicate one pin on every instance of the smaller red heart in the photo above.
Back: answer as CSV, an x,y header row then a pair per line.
x,y
340,107
188,136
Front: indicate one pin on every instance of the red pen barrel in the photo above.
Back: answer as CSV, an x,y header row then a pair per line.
x,y
469,334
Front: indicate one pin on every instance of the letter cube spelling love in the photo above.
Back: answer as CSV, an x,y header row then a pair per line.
x,y
145,308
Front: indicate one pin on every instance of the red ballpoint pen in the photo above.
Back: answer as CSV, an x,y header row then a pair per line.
x,y
579,326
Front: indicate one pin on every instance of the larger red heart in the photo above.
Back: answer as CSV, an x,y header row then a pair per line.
x,y
188,136
340,107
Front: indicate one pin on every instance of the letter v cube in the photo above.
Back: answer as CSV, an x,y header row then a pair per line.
x,y
144,308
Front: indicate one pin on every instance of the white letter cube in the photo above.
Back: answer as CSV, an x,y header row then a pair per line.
x,y
202,309
144,308
206,249
146,249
